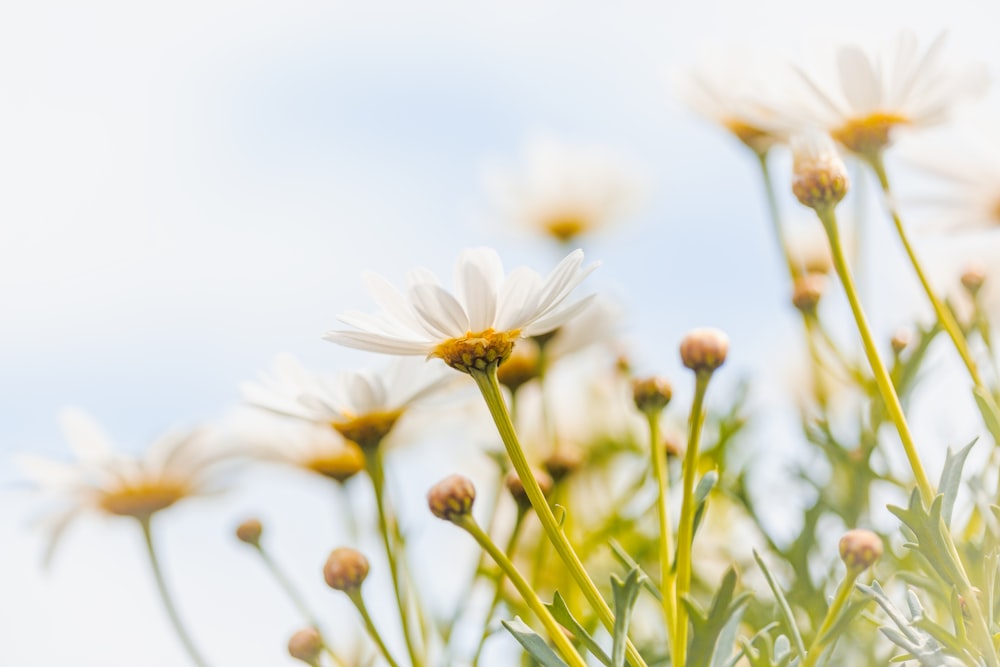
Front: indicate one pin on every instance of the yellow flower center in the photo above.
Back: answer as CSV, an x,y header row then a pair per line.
x,y
565,227
369,429
520,367
341,464
755,138
141,500
869,134
476,351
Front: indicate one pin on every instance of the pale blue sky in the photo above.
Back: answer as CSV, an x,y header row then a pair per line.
x,y
186,190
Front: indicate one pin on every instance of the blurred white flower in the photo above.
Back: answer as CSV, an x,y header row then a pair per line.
x,y
563,191
876,93
737,89
174,467
477,325
361,405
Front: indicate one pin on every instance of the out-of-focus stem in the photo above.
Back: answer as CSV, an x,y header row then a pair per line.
x,y
659,460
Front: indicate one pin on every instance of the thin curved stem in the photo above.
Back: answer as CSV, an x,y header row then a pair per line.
x,y
554,630
498,583
168,602
359,603
659,461
882,380
819,642
376,471
685,527
775,215
488,385
943,313
296,598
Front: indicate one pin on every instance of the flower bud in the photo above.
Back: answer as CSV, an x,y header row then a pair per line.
x,y
673,447
452,497
562,462
345,569
973,278
651,394
306,645
819,176
704,350
807,291
520,494
901,340
249,532
859,549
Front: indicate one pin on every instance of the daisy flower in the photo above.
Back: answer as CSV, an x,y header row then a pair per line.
x,y
479,324
174,468
563,192
875,94
734,89
363,406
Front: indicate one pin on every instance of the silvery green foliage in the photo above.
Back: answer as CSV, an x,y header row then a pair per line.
x,y
910,633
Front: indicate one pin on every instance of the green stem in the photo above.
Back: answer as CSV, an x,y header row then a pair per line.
x,y
168,602
944,314
359,603
554,630
488,385
373,460
659,459
297,601
685,527
775,215
882,380
498,583
820,641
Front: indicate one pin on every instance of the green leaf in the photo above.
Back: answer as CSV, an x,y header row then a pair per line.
x,y
622,557
951,478
560,611
705,486
537,647
625,594
929,531
988,408
709,627
786,610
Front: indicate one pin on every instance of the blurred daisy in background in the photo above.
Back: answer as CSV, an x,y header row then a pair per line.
x,y
739,89
872,94
175,467
362,405
563,191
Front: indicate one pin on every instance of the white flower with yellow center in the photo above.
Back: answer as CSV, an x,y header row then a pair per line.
x,y
362,405
174,467
564,191
875,94
736,89
477,325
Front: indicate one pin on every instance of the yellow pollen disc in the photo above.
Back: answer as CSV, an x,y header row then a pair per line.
x,y
476,351
341,464
143,499
869,134
368,430
520,367
566,227
757,139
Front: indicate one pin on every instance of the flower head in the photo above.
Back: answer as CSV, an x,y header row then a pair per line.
x,y
735,89
876,94
363,406
819,176
564,192
478,325
174,468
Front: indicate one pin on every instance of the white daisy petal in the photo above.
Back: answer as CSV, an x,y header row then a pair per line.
x,y
858,79
85,436
557,317
518,298
477,279
440,310
363,340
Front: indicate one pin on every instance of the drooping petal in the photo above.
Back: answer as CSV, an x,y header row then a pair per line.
x,y
373,342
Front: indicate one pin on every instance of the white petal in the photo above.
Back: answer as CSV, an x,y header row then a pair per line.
x,y
563,280
556,318
518,299
439,310
859,80
478,276
363,340
85,436
390,300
